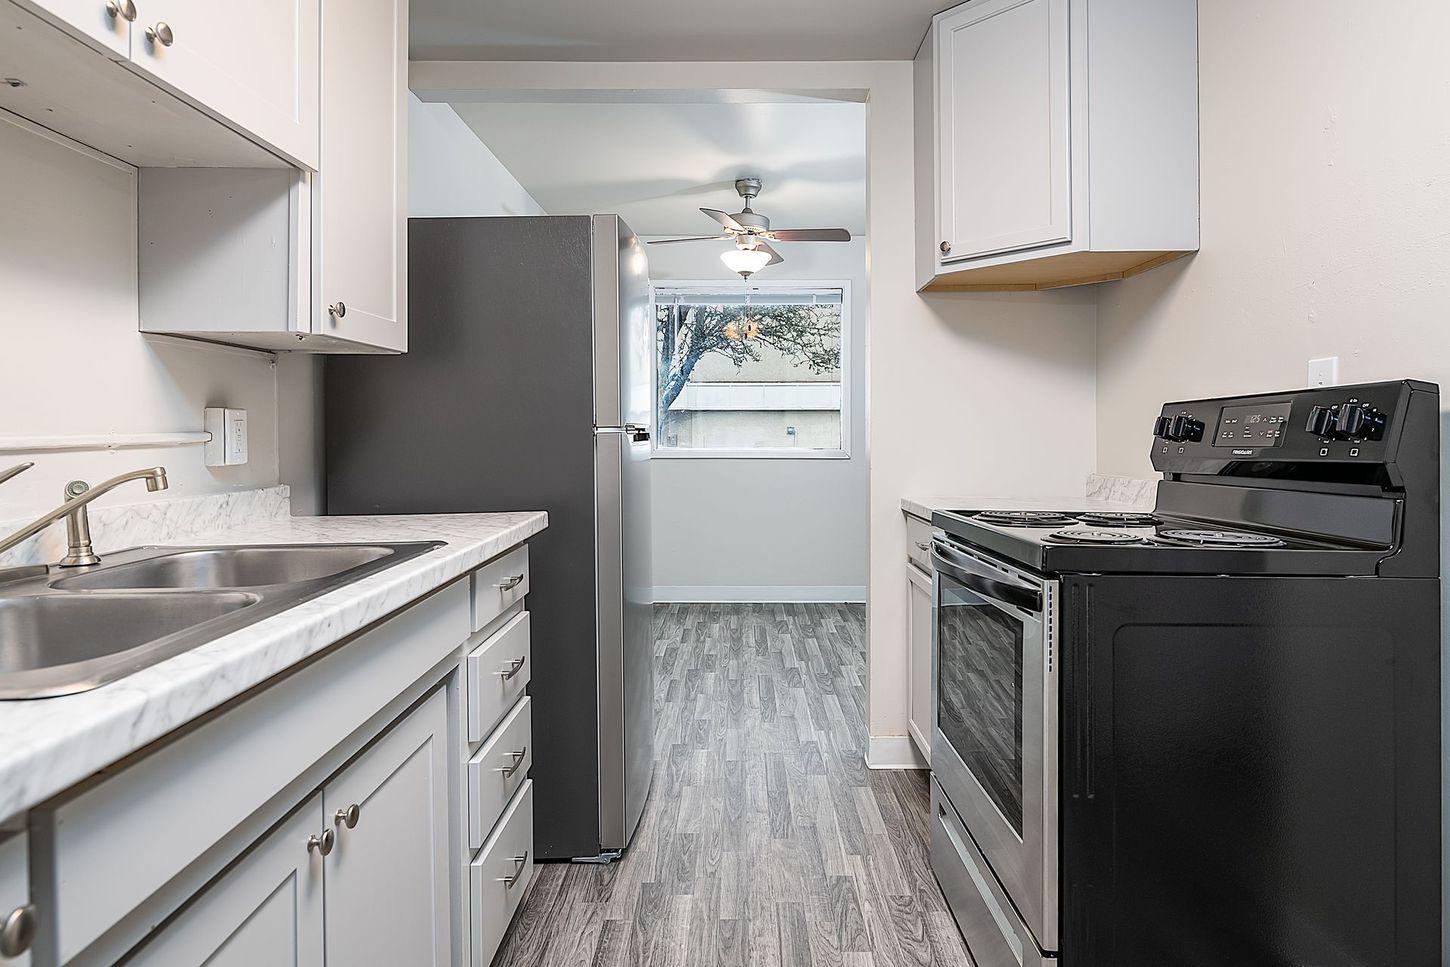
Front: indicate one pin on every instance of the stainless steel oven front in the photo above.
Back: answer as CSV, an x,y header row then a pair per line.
x,y
994,721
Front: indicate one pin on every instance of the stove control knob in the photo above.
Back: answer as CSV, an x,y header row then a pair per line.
x,y
1358,420
1160,427
1321,420
1184,427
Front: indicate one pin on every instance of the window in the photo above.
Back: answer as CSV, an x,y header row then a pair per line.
x,y
751,371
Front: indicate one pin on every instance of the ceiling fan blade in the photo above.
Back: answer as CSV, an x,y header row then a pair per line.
x,y
694,238
774,255
810,235
724,218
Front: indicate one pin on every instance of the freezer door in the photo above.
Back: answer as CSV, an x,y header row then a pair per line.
x,y
626,639
623,326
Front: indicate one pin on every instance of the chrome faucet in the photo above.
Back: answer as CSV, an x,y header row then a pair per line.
x,y
78,494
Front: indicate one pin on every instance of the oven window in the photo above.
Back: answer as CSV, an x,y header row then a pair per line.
x,y
979,693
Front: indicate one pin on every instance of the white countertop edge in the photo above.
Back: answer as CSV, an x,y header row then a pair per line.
x,y
48,745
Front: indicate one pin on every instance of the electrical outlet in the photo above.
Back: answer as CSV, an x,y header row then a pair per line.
x,y
1323,372
228,444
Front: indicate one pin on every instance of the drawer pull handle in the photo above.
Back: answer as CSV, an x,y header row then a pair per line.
x,y
348,817
923,545
322,844
17,931
161,34
518,757
523,863
513,668
511,583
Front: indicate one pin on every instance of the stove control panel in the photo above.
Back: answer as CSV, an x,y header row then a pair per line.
x,y
1248,435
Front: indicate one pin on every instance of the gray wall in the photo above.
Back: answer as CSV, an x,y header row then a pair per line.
x,y
763,529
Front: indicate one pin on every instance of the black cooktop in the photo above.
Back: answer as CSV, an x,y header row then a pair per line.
x,y
1110,542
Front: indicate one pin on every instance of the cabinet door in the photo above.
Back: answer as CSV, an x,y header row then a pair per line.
x,y
1004,127
91,20
918,634
254,65
387,879
18,917
267,909
360,286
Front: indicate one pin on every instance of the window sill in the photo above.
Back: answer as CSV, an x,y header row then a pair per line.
x,y
755,453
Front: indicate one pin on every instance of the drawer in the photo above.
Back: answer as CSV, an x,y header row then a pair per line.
x,y
500,584
497,770
995,935
918,546
498,671
499,876
15,897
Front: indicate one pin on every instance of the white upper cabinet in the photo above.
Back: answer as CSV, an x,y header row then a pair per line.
x,y
1004,127
105,24
1057,142
255,65
360,283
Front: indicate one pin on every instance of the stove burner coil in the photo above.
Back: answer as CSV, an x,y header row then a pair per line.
x,y
1215,538
1106,518
1024,518
1093,536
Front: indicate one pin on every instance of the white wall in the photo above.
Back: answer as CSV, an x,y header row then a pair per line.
x,y
452,172
964,392
767,529
74,362
1326,217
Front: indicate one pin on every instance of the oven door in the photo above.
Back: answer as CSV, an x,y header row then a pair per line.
x,y
994,721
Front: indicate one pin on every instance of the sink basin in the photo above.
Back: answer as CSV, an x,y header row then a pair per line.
x,y
48,640
73,633
230,567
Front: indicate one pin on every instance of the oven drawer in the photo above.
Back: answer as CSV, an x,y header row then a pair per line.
x,y
995,935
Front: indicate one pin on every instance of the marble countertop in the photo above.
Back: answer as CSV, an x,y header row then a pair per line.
x,y
48,745
923,506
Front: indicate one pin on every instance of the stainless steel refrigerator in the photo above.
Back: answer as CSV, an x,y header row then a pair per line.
x,y
527,386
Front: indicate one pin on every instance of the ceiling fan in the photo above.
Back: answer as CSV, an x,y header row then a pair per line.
x,y
752,234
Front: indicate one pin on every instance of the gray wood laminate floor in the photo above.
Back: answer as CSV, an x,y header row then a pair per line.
x,y
765,841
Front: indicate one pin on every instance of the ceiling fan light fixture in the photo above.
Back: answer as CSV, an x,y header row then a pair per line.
x,y
746,261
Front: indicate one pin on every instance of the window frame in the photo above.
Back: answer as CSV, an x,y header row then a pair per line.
x,y
843,452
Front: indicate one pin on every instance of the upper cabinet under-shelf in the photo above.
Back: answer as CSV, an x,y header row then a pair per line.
x,y
169,83
1057,142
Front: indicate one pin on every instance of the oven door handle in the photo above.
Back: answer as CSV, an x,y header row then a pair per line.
x,y
962,570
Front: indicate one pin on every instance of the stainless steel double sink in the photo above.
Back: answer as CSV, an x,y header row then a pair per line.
x,y
65,631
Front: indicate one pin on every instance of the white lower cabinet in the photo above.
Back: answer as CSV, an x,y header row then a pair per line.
x,y
394,855
317,883
918,634
18,922
501,873
267,909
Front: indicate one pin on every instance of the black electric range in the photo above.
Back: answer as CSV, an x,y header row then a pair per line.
x,y
1209,733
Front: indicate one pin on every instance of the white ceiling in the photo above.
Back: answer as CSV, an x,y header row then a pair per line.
x,y
657,164
669,30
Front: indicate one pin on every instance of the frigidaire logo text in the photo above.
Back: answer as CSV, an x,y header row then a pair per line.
x,y
1243,453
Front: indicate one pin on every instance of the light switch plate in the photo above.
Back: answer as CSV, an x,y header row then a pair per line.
x,y
228,444
1324,372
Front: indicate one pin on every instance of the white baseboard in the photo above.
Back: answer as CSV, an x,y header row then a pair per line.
x,y
764,594
894,752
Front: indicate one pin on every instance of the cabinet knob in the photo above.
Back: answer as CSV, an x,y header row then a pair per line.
x,y
338,309
518,758
17,932
523,863
322,844
124,9
348,817
161,34
946,247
